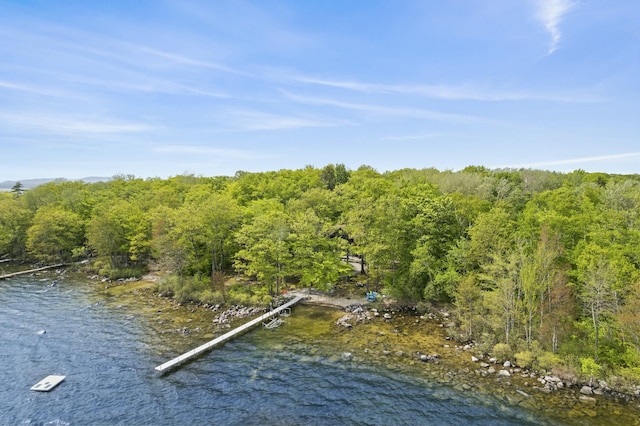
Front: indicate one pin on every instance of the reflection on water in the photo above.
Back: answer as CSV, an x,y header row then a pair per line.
x,y
108,346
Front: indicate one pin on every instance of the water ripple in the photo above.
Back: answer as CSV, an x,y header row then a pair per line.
x,y
108,359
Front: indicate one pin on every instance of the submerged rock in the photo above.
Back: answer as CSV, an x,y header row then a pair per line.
x,y
587,399
430,358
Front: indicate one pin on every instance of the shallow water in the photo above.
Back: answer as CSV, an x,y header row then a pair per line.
x,y
108,346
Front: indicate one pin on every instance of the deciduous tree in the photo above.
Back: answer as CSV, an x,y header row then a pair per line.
x,y
54,234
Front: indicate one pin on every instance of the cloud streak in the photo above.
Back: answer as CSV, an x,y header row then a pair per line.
x,y
184,60
386,111
34,90
446,92
72,125
231,154
583,160
247,120
550,13
142,84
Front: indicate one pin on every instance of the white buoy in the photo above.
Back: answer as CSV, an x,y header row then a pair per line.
x,y
48,383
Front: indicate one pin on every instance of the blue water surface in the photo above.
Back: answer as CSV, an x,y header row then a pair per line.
x,y
109,355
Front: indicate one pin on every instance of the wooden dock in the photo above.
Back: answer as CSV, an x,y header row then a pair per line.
x,y
227,336
15,274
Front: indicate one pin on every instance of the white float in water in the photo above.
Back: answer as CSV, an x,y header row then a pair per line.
x,y
48,383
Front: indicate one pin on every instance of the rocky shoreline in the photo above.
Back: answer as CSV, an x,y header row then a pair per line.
x,y
399,338
468,363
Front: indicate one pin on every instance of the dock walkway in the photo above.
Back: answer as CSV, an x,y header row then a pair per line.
x,y
227,336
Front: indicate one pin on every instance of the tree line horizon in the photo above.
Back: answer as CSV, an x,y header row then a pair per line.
x,y
542,265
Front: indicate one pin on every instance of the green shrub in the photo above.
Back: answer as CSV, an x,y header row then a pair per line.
x,y
631,357
629,376
239,294
79,253
524,359
166,286
486,342
183,289
548,360
590,368
99,264
185,292
502,351
123,273
191,289
238,298
211,297
566,373
423,307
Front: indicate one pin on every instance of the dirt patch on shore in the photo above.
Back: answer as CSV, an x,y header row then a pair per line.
x,y
313,297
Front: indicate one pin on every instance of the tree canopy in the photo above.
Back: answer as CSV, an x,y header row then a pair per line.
x,y
537,260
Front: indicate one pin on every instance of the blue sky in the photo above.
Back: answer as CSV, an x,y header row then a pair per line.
x,y
160,88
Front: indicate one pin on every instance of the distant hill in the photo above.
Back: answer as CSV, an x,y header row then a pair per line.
x,y
32,183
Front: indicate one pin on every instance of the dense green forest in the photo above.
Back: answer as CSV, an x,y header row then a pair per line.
x,y
538,265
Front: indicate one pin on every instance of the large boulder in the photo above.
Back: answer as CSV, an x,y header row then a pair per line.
x,y
586,390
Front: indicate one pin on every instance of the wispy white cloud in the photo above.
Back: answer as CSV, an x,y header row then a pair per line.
x,y
582,160
112,53
388,111
447,92
71,125
247,120
418,137
184,60
141,84
36,90
232,154
551,12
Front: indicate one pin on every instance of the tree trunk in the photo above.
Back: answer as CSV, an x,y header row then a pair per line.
x,y
596,326
506,331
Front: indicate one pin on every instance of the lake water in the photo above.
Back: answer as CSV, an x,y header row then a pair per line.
x,y
108,353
